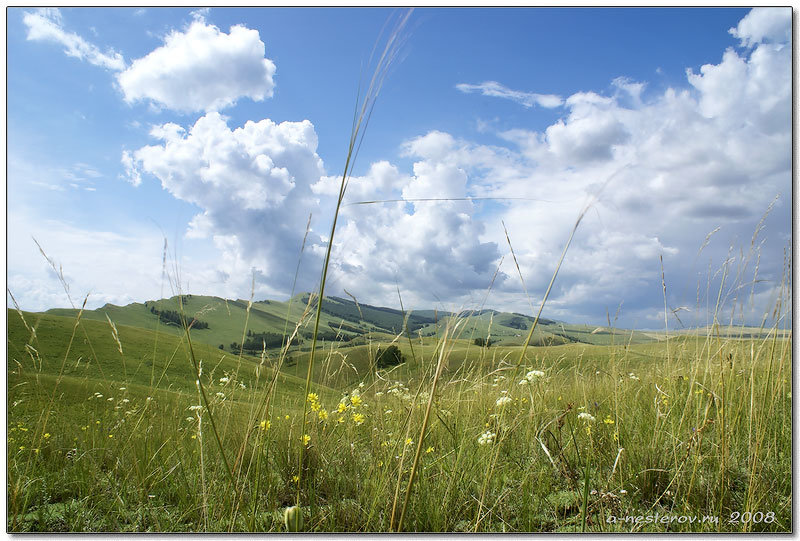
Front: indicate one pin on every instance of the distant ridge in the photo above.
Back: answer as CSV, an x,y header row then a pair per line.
x,y
221,322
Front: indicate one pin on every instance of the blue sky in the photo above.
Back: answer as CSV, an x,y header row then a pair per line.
x,y
222,129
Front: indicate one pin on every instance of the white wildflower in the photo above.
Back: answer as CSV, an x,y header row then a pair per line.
x,y
486,438
588,417
502,401
533,375
225,379
195,408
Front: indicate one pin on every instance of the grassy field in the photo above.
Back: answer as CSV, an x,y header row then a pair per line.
x,y
108,431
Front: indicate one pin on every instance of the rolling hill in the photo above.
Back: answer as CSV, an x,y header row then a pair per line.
x,y
227,324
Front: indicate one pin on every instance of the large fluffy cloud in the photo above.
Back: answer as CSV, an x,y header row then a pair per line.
x,y
425,239
256,185
201,69
252,185
764,25
667,169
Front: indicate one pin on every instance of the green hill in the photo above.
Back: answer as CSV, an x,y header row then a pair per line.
x,y
229,324
51,345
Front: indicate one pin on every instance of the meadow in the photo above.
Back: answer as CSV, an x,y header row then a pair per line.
x,y
109,430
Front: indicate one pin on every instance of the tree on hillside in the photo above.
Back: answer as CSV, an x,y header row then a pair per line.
x,y
391,356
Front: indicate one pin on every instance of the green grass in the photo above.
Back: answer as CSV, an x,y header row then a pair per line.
x,y
704,431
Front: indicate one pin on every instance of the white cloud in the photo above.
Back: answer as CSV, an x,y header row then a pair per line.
x,y
429,249
526,99
257,184
590,132
252,185
201,69
132,174
46,25
770,24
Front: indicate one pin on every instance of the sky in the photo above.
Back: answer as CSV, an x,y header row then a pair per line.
x,y
217,133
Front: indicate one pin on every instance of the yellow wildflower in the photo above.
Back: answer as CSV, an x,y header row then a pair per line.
x,y
323,415
265,424
429,450
358,418
306,439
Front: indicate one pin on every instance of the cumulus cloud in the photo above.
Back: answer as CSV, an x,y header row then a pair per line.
x,y
526,99
767,24
256,185
252,184
667,169
428,249
46,24
201,69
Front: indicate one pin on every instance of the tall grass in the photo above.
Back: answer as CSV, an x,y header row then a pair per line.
x,y
664,447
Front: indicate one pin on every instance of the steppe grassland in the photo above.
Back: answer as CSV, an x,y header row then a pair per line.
x,y
694,425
